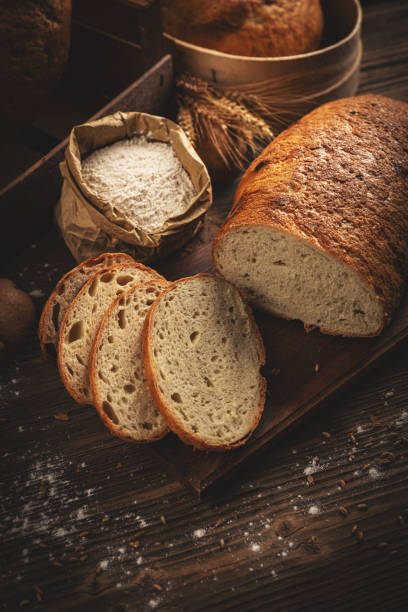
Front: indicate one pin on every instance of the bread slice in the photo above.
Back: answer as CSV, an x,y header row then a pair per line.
x,y
202,354
116,373
82,320
319,227
63,294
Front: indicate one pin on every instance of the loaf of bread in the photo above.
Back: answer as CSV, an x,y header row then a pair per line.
x,y
319,227
83,318
246,27
34,48
202,354
66,289
116,372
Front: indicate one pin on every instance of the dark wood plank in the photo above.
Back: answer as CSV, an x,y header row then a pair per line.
x,y
296,389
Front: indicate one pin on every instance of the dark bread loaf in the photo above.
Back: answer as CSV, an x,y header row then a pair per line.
x,y
319,227
246,27
34,48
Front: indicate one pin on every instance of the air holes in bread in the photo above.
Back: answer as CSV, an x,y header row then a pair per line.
x,y
79,359
124,280
106,278
279,263
108,410
55,314
76,332
111,339
147,426
193,336
93,287
122,319
101,376
208,382
176,398
70,370
129,388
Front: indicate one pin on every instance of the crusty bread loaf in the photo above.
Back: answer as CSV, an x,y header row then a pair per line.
x,y
319,227
82,320
63,294
246,27
202,354
34,49
116,371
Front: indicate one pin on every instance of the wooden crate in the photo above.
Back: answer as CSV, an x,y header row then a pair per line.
x,y
116,63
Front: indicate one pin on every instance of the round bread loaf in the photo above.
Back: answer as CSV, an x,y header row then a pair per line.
x,y
319,227
34,48
264,28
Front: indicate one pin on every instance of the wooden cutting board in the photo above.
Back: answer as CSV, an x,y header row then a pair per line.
x,y
304,371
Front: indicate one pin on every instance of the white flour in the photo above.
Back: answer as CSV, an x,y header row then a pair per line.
x,y
143,180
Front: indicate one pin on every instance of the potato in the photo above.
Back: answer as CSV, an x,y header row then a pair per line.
x,y
17,314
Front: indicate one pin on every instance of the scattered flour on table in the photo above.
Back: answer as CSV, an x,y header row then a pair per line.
x,y
375,474
142,180
37,293
314,466
313,510
199,533
403,418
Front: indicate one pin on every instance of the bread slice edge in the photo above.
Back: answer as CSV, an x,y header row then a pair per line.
x,y
92,367
185,436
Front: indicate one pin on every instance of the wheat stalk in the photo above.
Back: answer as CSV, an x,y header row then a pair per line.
x,y
235,124
186,121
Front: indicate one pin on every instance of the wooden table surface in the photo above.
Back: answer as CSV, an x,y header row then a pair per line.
x,y
318,523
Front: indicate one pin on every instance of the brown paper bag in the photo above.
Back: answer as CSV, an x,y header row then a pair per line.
x,y
88,222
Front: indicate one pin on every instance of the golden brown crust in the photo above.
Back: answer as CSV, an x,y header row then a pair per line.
x,y
173,424
247,27
46,315
92,376
61,367
338,179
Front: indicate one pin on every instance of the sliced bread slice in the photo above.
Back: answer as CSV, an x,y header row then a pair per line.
x,y
63,294
116,373
82,320
202,354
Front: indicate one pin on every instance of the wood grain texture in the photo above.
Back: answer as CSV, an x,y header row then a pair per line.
x,y
89,522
